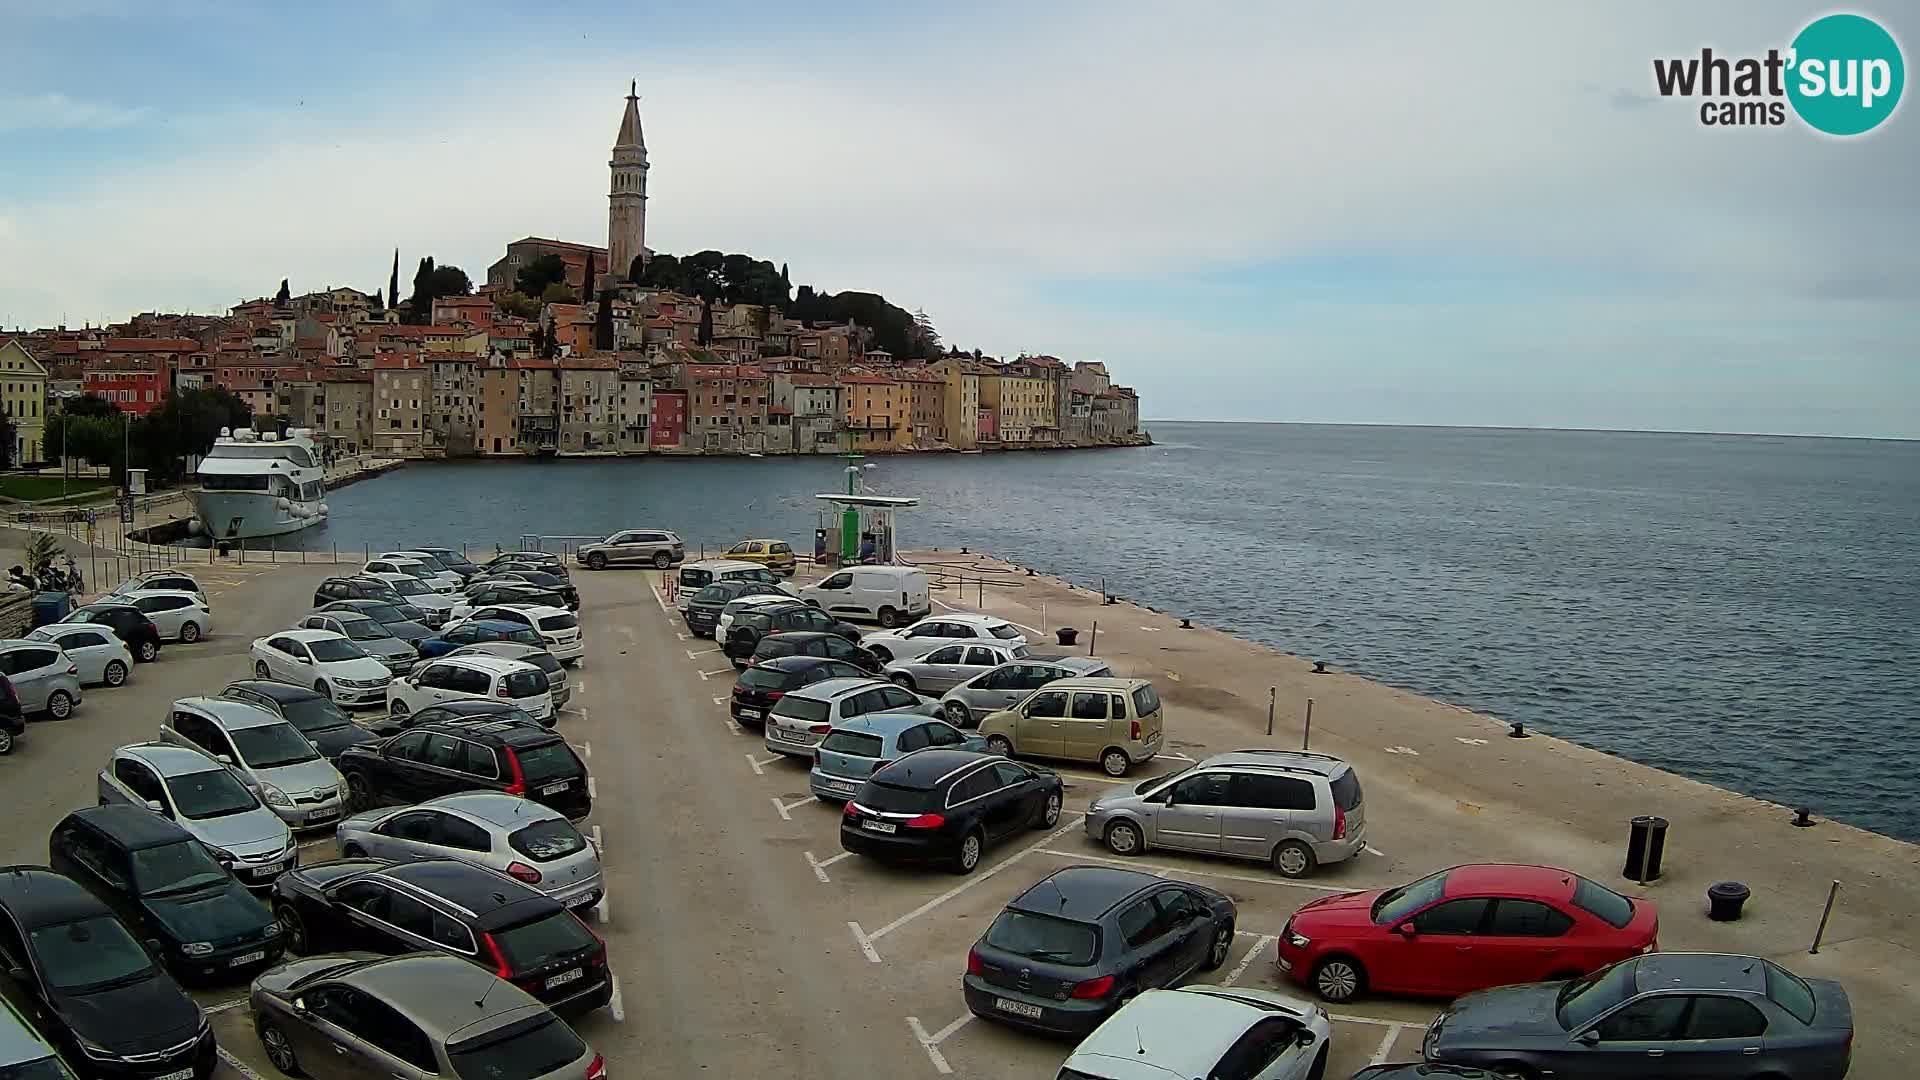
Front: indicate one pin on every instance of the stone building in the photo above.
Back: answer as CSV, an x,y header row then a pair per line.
x,y
589,405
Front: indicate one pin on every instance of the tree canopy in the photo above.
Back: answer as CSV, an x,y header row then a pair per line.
x,y
184,424
710,275
432,282
534,277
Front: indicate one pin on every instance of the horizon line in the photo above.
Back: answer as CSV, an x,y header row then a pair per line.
x,y
1539,427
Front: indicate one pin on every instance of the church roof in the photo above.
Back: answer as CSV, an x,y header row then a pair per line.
x,y
630,134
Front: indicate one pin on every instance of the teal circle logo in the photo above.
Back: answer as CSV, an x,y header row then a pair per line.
x,y
1847,74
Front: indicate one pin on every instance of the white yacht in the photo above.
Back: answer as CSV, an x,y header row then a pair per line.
x,y
260,485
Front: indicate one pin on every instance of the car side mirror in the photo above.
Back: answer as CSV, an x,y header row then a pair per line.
x,y
17,974
224,760
154,805
1405,929
1589,1037
300,1004
1306,1037
154,946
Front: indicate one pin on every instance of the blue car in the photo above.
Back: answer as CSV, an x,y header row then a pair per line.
x,y
858,746
473,632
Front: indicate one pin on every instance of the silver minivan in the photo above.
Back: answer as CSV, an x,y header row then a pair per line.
x,y
269,755
1007,685
205,799
1291,809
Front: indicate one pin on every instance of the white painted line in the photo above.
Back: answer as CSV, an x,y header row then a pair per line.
x,y
944,1033
601,914
236,1003
1374,1020
1386,1045
593,837
1371,850
760,767
1165,871
236,1064
684,637
719,701
1464,741
579,684
789,806
592,791
865,942
1177,757
1403,750
585,748
615,1005
1246,961
820,867
731,726
659,599
977,878
781,807
691,655
716,674
930,1045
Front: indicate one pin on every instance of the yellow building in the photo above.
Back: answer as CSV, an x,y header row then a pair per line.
x,y
1025,403
879,413
958,422
23,395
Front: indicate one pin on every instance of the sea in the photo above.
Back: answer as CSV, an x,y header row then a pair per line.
x,y
1744,610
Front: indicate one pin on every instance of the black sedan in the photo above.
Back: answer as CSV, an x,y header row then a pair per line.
x,y
1707,1014
946,806
128,623
557,582
90,987
325,725
1074,947
759,687
164,884
703,608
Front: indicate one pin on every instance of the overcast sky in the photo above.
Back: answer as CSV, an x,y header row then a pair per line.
x,y
1401,213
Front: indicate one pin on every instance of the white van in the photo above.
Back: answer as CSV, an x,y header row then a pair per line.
x,y
695,576
890,595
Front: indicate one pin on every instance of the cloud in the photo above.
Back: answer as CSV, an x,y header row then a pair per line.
x,y
53,111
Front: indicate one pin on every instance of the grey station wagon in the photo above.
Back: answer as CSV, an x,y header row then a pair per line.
x,y
1007,685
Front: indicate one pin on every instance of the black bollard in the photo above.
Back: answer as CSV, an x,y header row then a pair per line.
x,y
1803,818
1320,667
1518,731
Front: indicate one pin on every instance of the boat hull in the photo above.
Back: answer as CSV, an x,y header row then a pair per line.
x,y
245,515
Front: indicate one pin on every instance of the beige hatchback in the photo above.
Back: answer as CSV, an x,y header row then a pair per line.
x,y
1115,722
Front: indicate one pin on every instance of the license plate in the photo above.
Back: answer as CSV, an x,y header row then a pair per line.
x,y
323,815
1017,1008
842,785
878,826
755,713
252,957
267,871
781,733
566,977
554,789
183,1074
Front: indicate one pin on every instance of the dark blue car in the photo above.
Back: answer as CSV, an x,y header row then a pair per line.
x,y
473,632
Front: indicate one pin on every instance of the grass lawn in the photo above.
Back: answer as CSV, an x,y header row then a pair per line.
x,y
47,485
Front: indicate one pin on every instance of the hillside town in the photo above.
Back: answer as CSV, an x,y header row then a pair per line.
x,y
603,363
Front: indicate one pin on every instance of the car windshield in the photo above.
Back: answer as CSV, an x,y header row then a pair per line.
x,y
525,1053
368,629
1141,787
768,678
271,745
429,560
385,613
1396,904
799,708
182,866
542,941
854,743
314,714
559,622
1044,937
411,587
89,953
717,593
211,794
1583,1000
545,841
46,1068
326,650
547,761
1603,903
1004,631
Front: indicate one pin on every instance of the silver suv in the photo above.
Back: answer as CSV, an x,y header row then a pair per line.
x,y
634,547
1289,808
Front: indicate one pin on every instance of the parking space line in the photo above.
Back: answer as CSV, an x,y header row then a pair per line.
x,y
585,748
784,807
931,1043
593,837
601,914
760,767
1371,850
731,726
716,674
719,701
592,792
615,1005
659,599
684,637
1163,871
976,879
1386,1044
1246,961
820,866
691,655
223,1006
236,1064
1373,1020
865,942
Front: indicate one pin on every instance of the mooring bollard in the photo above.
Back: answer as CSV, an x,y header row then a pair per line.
x,y
1803,817
1518,731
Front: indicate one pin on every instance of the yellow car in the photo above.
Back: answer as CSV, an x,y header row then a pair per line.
x,y
775,555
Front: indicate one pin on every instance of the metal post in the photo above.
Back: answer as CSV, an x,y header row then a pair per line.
x,y
1043,618
1833,891
980,597
335,545
273,549
1306,734
1093,636
1646,859
1271,692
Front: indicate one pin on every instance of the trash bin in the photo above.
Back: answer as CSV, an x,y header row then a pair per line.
x,y
1646,843
49,607
1065,635
1724,900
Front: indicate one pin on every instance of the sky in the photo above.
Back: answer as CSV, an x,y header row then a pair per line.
x,y
1475,214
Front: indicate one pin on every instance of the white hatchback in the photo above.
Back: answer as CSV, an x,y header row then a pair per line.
x,y
953,628
388,567
558,628
330,663
180,615
95,650
456,678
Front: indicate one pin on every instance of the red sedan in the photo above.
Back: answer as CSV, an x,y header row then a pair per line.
x,y
1464,929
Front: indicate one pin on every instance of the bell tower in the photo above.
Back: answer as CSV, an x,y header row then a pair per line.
x,y
627,193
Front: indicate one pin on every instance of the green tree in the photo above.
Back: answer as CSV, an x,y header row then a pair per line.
x,y
556,292
432,282
185,424
534,277
517,303
7,436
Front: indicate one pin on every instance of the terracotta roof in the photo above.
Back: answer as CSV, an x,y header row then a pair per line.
x,y
339,375
779,410
393,362
531,363
450,358
581,248
801,378
869,380
151,345
589,363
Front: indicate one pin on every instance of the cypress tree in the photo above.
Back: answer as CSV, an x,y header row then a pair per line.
x,y
586,288
393,283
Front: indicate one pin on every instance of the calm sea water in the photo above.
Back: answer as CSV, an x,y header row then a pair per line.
x,y
1738,609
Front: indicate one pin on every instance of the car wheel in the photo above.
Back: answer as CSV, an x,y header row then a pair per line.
x,y
6,742
1338,978
957,714
292,927
1049,813
320,687
999,744
279,1050
901,678
116,673
359,794
260,670
1292,859
1513,1070
396,708
189,633
889,618
1218,950
596,561
968,857
662,560
881,653
353,851
59,704
149,651
1115,762
1123,838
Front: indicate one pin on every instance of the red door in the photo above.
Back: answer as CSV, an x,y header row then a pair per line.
x,y
1528,941
1443,955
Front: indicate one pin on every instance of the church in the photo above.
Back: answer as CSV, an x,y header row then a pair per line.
x,y
626,249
